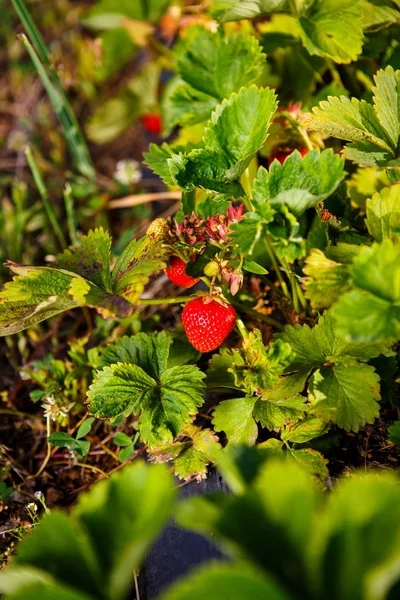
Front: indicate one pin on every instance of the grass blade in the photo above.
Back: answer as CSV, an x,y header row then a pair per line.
x,y
45,198
40,56
69,209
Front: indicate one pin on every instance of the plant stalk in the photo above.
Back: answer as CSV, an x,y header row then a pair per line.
x,y
172,300
272,256
69,209
45,198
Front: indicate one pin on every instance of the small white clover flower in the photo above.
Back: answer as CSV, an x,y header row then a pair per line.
x,y
52,410
127,171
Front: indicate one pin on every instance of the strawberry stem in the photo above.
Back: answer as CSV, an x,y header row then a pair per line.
x,y
171,300
272,256
242,329
257,315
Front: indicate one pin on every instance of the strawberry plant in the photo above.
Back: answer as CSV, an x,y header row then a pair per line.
x,y
219,264
265,206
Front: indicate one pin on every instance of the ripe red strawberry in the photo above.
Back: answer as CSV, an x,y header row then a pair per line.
x,y
152,122
282,155
207,322
176,273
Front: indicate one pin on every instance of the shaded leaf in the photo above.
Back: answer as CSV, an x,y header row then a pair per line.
x,y
383,214
72,562
190,457
258,369
312,461
235,418
306,430
234,581
326,279
394,433
274,415
132,270
90,259
371,312
347,395
143,497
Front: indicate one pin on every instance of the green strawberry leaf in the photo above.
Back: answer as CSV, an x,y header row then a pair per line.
x,y
157,159
383,214
132,270
346,394
246,233
217,64
183,105
373,129
351,120
394,433
387,102
149,351
377,15
236,10
165,400
39,293
239,127
36,294
191,456
237,130
235,418
107,14
361,316
306,430
204,169
90,258
235,581
371,312
257,369
220,379
332,28
274,415
324,343
300,183
312,461
326,280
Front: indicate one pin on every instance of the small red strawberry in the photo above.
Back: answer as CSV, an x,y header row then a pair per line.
x,y
207,322
176,273
152,122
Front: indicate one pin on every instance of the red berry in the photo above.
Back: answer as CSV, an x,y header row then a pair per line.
x,y
152,123
207,322
176,273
